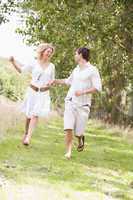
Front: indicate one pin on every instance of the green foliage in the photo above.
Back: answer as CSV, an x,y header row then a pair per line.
x,y
104,168
12,85
103,26
6,8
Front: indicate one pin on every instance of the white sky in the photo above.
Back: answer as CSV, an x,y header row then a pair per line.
x,y
11,44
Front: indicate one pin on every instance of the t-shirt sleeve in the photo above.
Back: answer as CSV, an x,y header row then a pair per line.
x,y
27,67
68,81
96,81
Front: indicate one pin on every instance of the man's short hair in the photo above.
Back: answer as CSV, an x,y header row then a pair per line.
x,y
85,52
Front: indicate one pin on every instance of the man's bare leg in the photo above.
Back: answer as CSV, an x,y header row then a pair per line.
x,y
68,142
81,139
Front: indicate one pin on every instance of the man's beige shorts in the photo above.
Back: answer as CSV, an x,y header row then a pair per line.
x,y
75,117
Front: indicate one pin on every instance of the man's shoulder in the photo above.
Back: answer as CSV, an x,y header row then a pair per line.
x,y
92,68
75,69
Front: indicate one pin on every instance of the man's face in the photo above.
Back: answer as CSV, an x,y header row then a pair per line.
x,y
77,57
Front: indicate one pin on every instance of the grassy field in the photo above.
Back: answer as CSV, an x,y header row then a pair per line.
x,y
104,171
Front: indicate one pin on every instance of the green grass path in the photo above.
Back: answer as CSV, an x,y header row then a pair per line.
x,y
104,171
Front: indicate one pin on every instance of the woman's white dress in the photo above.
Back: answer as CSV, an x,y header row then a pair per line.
x,y
37,103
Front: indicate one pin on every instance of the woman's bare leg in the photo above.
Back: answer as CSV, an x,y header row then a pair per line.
x,y
31,126
27,125
27,122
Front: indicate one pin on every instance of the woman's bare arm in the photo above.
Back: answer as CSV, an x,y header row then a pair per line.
x,y
56,82
15,64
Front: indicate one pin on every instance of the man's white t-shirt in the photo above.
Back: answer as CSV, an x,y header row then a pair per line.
x,y
80,80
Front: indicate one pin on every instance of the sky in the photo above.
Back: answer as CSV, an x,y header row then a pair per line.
x,y
11,43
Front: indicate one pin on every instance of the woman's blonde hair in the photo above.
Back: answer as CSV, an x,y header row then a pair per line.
x,y
42,47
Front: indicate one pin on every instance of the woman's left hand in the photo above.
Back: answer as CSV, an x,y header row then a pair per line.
x,y
50,83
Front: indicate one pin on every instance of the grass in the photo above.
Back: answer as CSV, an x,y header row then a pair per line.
x,y
103,171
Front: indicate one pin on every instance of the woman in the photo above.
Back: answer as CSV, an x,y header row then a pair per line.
x,y
37,100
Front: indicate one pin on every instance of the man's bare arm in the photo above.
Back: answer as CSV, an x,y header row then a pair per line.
x,y
60,81
88,91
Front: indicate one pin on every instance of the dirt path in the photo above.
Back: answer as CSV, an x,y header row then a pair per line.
x,y
45,191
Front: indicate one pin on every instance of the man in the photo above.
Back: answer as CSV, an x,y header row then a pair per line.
x,y
84,81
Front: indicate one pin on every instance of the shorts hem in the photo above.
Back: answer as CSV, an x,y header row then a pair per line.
x,y
65,129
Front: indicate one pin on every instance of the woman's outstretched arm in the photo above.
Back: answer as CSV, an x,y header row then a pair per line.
x,y
15,64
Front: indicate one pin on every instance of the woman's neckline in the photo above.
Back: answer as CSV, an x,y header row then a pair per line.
x,y
44,68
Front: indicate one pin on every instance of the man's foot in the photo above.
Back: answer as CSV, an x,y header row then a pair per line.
x,y
68,155
81,143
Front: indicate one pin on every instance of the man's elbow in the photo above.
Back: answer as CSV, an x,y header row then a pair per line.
x,y
97,90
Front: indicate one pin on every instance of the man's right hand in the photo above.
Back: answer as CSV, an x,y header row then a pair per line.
x,y
50,83
56,82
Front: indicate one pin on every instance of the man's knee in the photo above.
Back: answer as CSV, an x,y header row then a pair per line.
x,y
68,131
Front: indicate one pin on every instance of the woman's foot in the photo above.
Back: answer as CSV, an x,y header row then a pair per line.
x,y
26,140
24,136
68,155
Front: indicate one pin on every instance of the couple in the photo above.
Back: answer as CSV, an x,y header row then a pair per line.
x,y
84,80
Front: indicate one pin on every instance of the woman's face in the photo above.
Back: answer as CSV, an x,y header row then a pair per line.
x,y
47,54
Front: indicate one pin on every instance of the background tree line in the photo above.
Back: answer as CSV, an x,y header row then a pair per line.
x,y
103,26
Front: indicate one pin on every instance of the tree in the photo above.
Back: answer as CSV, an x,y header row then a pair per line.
x,y
6,8
103,26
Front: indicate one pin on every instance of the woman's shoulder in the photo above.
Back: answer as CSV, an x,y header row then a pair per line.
x,y
52,66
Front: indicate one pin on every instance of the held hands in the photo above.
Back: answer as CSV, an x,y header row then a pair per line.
x,y
79,93
54,82
51,83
